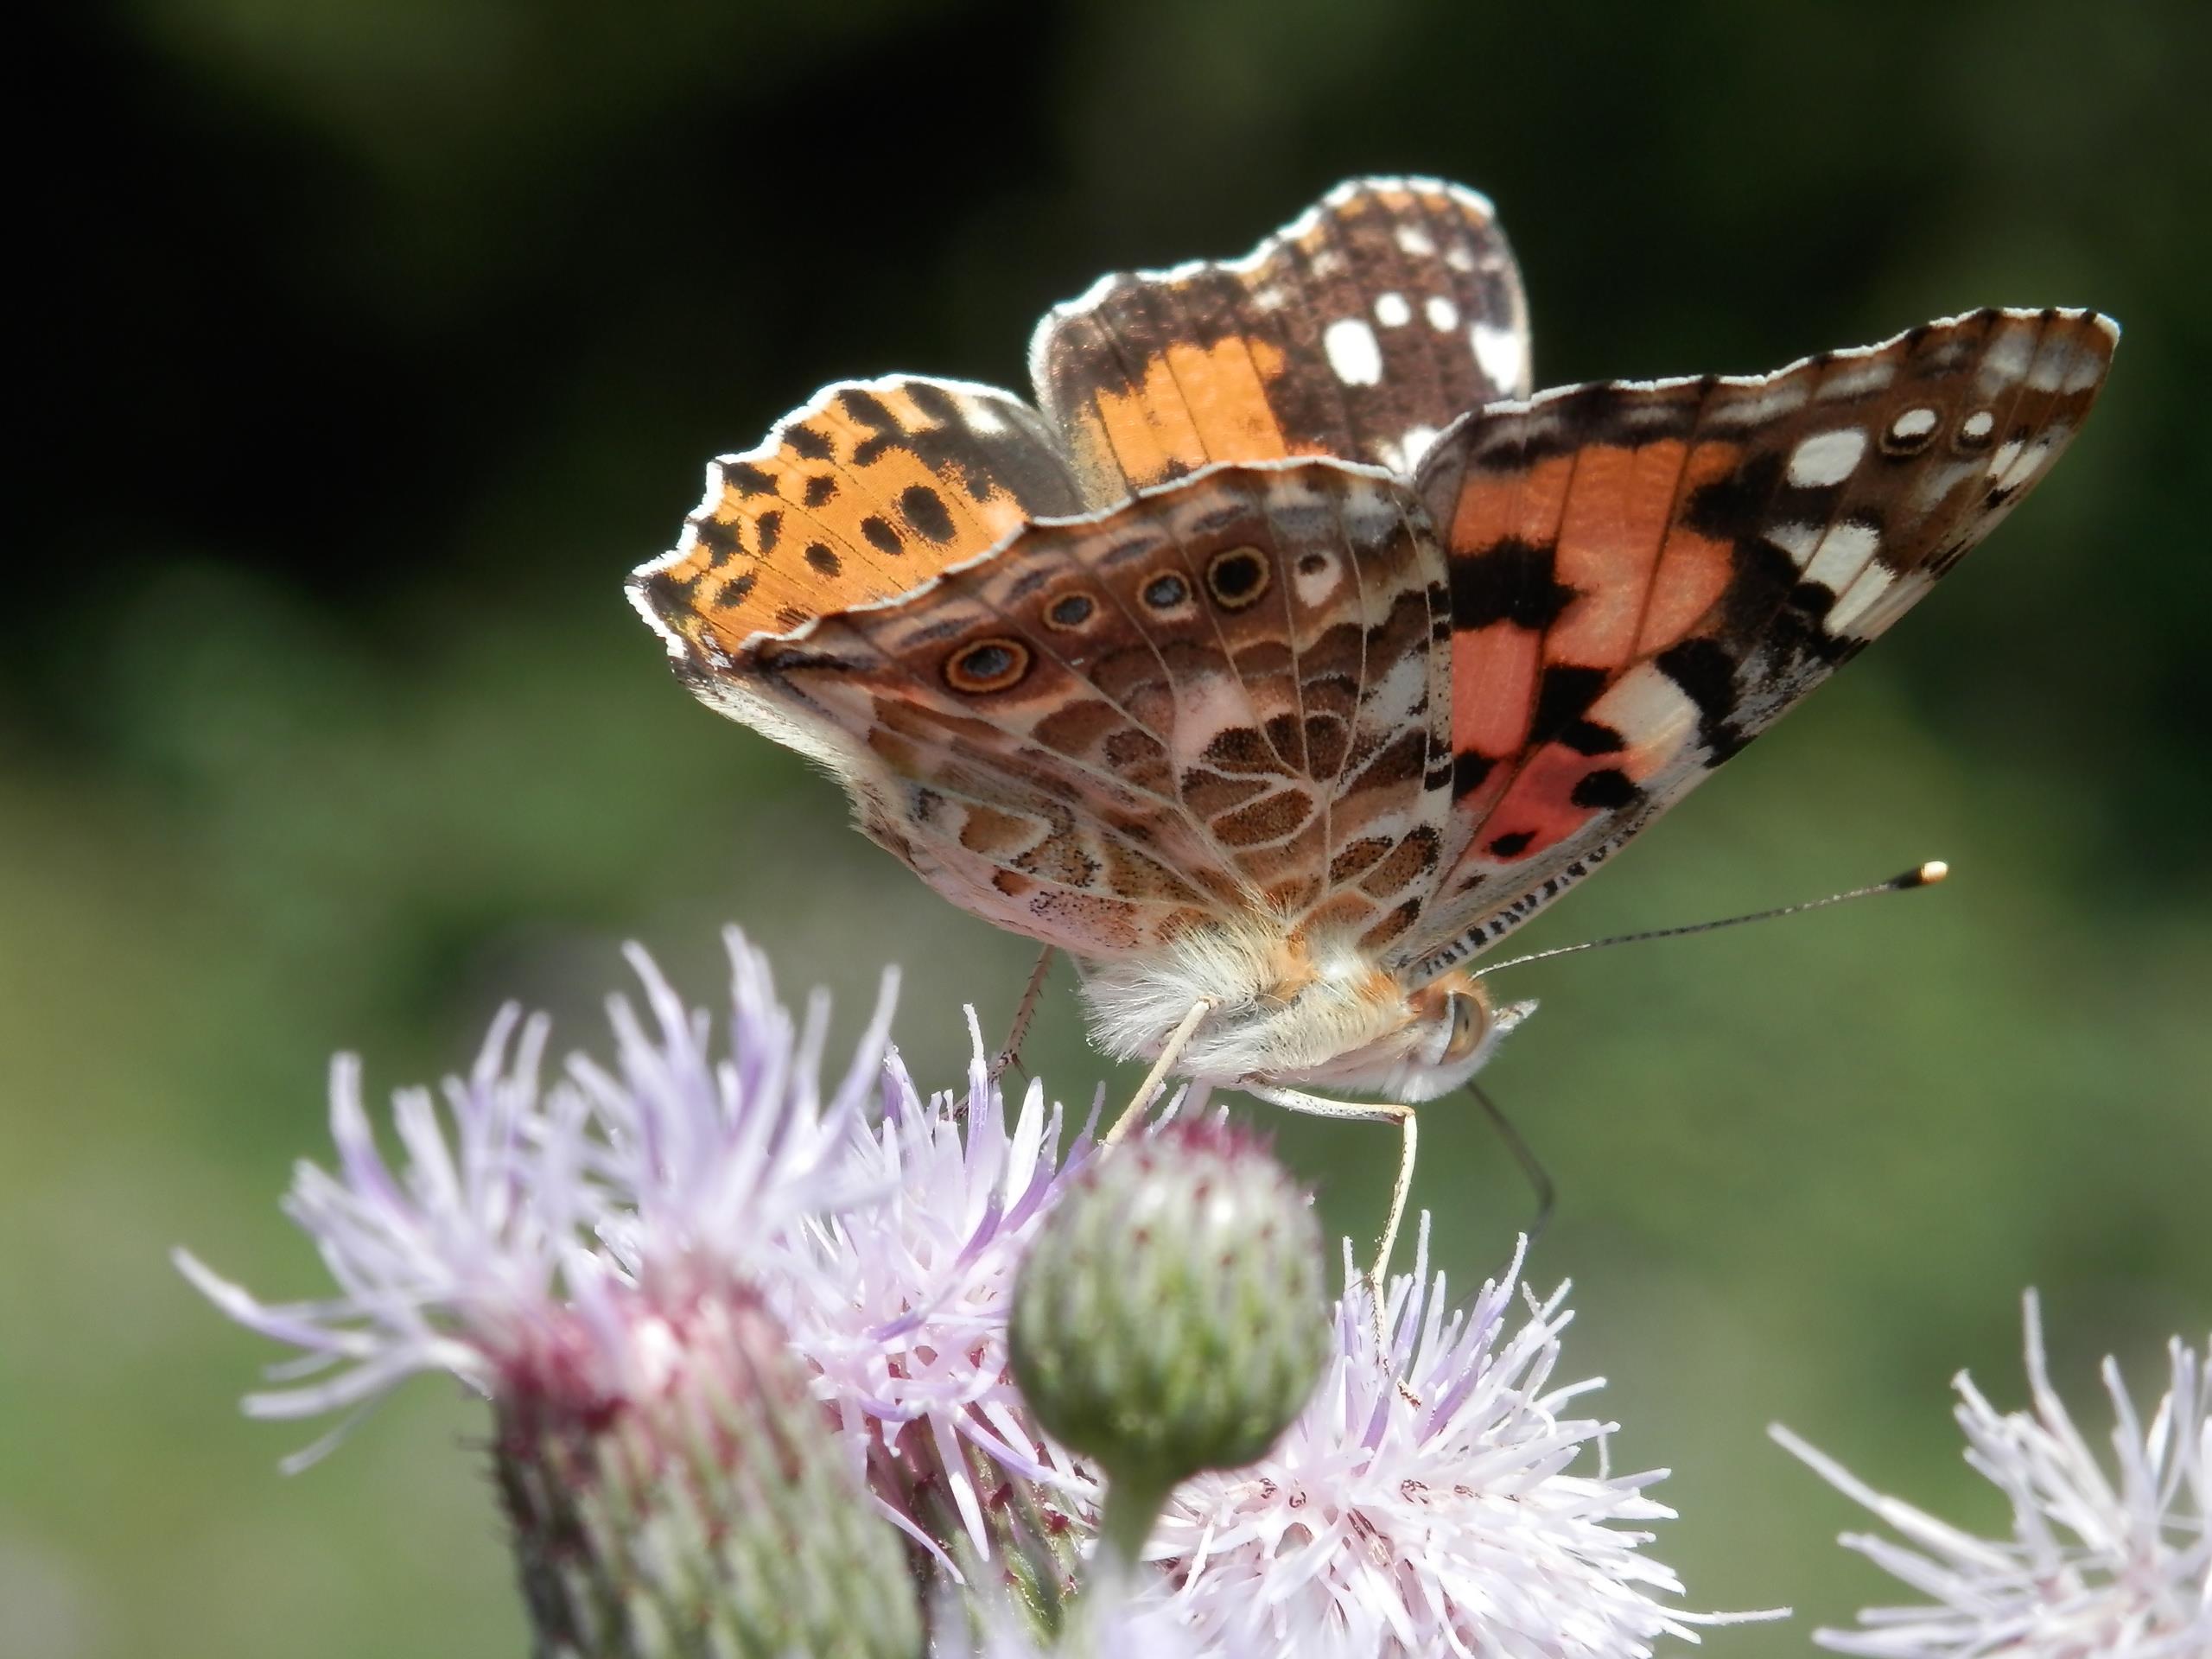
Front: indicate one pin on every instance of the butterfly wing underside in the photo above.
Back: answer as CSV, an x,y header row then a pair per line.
x,y
1359,331
1644,576
1225,699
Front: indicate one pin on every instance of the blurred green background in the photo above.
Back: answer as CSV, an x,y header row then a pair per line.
x,y
378,339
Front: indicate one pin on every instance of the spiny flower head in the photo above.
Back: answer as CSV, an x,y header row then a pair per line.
x,y
1169,1318
483,1253
901,1303
1423,1502
2100,1565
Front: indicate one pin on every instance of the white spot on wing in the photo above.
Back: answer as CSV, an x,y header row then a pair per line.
x,y
1652,715
1315,586
2037,456
1499,353
1827,457
1414,240
2001,462
1392,311
1458,258
1852,376
982,416
1418,440
1352,352
1843,554
1872,583
1443,315
2010,349
1913,424
1978,425
1799,539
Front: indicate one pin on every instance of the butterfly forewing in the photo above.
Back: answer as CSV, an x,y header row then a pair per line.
x,y
863,494
1359,331
1644,576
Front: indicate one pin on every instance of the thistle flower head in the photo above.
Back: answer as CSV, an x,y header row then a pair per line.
x,y
706,1512
1438,1517
2116,1565
901,1303
712,1150
485,1251
1169,1318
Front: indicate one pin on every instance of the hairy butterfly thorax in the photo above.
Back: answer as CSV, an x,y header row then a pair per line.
x,y
1288,653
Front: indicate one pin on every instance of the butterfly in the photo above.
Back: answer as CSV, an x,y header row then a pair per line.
x,y
1286,653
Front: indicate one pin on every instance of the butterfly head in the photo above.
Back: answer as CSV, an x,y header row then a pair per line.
x,y
1424,1043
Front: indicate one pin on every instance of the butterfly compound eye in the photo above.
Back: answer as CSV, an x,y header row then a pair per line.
x,y
1470,1019
987,666
1236,577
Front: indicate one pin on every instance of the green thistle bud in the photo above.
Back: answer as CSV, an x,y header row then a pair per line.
x,y
708,1513
1169,1318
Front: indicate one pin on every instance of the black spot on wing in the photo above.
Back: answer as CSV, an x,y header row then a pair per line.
x,y
1562,695
720,537
803,440
1706,676
1607,791
1469,768
1512,582
925,508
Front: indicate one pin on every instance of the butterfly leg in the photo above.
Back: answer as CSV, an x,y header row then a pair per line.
x,y
1170,1051
1010,1055
1293,1100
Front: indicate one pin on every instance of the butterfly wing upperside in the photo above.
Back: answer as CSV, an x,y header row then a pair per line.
x,y
864,492
1359,331
1644,576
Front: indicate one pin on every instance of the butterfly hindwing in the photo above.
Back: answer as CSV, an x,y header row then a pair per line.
x,y
1359,331
1224,698
1643,577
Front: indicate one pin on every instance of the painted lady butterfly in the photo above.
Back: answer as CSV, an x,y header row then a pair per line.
x,y
1294,653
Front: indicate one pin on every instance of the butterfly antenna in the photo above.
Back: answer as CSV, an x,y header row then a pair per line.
x,y
1538,1178
1920,875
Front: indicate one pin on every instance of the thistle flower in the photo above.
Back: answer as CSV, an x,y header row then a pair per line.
x,y
1438,1517
2115,1569
561,1245
901,1306
1169,1319
708,1513
481,1254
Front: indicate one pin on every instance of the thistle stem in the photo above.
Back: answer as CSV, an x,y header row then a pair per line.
x,y
1131,1508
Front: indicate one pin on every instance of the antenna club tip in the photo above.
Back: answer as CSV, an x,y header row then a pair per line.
x,y
1927,875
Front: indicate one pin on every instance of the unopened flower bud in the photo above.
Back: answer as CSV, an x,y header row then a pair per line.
x,y
1169,1318
707,1510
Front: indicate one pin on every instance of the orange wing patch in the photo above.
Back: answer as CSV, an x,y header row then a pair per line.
x,y
1359,331
1194,402
862,495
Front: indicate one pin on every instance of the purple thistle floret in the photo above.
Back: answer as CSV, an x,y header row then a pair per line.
x,y
902,1305
1438,1517
550,1239
2120,1568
